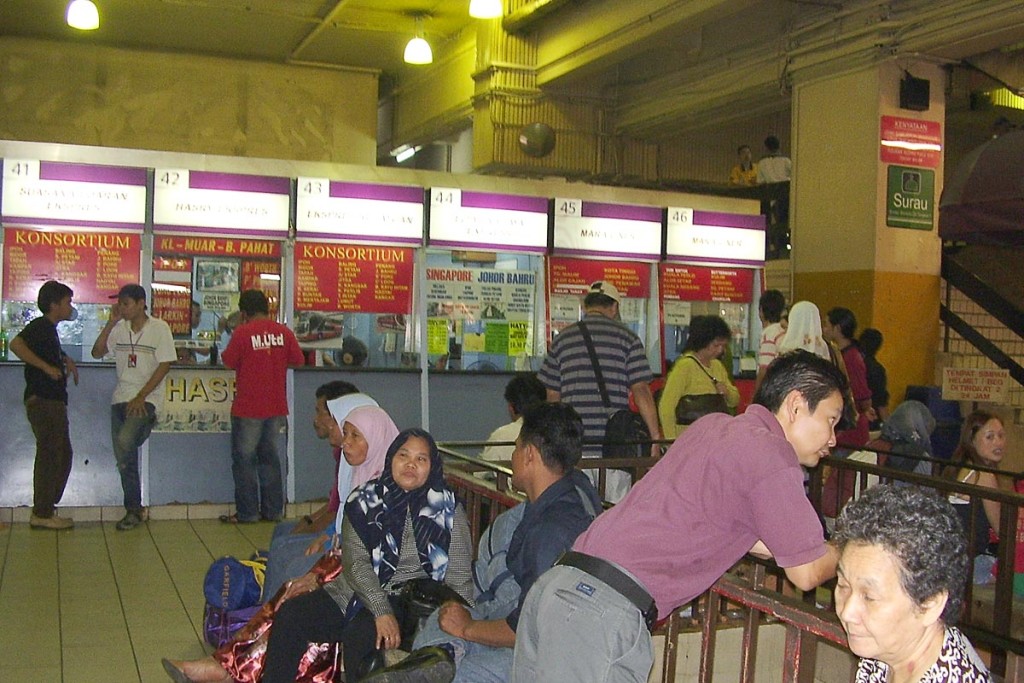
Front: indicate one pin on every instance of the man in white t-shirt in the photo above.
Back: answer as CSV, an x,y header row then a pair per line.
x,y
143,350
773,167
521,392
770,311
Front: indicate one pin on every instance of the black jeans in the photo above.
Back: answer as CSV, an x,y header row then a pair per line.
x,y
316,618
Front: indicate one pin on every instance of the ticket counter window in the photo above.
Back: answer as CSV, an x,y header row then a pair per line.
x,y
737,316
353,304
481,311
354,340
567,309
197,295
75,335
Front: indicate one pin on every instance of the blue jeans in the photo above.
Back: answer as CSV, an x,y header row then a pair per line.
x,y
288,559
256,468
474,662
127,433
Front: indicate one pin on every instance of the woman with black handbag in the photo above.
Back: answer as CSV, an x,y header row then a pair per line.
x,y
698,383
401,527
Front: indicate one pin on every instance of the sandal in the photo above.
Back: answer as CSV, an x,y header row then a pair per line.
x,y
233,519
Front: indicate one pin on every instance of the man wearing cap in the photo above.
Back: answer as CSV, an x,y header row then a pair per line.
x,y
568,375
260,352
46,402
143,351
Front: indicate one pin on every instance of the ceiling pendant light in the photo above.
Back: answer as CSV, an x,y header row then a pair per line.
x,y
83,15
418,50
485,9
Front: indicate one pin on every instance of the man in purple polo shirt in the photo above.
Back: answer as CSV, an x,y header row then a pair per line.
x,y
726,487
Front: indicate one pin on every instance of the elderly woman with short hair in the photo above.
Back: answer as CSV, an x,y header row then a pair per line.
x,y
903,565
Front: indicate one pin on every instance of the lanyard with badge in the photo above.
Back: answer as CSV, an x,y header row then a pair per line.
x,y
133,359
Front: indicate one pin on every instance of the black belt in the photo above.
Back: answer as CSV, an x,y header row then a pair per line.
x,y
617,580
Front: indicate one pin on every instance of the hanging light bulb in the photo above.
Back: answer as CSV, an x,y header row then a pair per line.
x,y
418,50
485,9
83,15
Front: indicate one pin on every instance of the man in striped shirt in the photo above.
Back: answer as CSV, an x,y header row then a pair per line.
x,y
568,375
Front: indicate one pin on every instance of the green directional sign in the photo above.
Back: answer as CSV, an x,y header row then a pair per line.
x,y
910,198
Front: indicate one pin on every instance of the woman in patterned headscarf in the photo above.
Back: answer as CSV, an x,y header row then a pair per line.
x,y
404,525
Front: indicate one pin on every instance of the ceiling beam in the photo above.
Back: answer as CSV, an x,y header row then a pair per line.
x,y
324,24
604,33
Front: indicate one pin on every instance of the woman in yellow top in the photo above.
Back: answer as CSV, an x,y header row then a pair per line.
x,y
698,370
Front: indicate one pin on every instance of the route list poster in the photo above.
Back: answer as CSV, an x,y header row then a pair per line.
x,y
353,278
698,283
93,264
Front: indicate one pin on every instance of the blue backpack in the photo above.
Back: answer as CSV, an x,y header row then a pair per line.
x,y
232,584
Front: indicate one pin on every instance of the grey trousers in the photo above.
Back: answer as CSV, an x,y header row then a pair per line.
x,y
574,627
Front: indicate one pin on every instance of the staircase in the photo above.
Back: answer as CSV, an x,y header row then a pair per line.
x,y
982,315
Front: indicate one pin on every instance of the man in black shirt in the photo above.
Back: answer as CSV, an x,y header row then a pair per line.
x,y
46,401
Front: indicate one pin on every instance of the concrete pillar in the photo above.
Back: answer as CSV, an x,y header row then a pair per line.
x,y
845,250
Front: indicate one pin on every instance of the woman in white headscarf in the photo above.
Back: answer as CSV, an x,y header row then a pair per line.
x,y
804,331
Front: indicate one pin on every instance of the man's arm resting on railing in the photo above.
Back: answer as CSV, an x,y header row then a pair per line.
x,y
812,574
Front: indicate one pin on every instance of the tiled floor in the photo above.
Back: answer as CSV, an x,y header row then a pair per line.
x,y
96,605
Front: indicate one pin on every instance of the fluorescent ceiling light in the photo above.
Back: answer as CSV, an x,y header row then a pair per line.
x,y
163,287
485,9
83,15
407,153
270,276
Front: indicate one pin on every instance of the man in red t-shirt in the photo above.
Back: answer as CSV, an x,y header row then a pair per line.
x,y
260,351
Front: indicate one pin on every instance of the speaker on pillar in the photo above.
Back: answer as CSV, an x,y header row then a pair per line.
x,y
914,93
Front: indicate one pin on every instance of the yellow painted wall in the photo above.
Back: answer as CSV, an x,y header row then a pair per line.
x,y
903,306
844,254
835,152
92,95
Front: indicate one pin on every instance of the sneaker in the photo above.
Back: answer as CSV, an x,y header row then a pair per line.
x,y
53,522
425,665
129,521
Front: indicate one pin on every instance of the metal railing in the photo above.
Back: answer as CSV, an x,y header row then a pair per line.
x,y
763,596
989,622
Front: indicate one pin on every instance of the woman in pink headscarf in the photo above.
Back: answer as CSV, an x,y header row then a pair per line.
x,y
363,435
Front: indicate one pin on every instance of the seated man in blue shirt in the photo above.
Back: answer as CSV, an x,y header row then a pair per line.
x,y
561,503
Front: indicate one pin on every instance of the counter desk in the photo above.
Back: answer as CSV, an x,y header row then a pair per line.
x,y
195,466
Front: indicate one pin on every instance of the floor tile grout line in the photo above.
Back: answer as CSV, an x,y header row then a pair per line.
x,y
177,592
60,607
6,553
120,599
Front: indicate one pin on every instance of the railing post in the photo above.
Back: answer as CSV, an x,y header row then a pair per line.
x,y
671,654
709,631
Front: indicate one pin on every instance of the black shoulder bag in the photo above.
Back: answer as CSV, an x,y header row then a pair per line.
x,y
624,428
693,406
